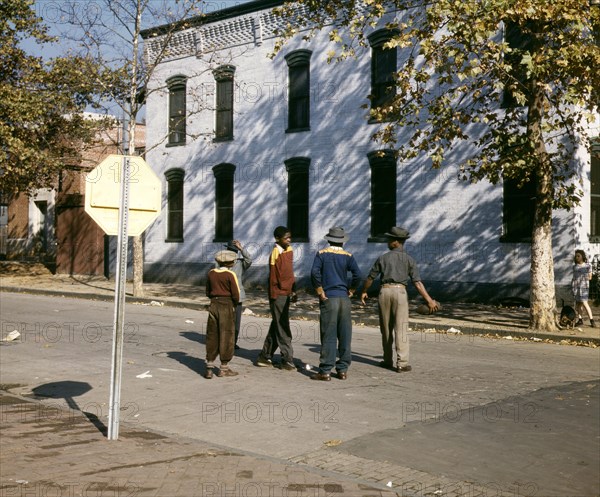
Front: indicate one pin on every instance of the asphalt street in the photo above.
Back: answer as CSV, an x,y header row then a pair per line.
x,y
508,416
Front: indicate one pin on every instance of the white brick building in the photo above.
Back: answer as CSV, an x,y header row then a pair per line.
x,y
247,154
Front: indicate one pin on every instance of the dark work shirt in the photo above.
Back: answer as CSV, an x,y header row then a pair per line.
x,y
395,266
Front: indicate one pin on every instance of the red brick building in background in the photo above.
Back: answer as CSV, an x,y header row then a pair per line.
x,y
52,226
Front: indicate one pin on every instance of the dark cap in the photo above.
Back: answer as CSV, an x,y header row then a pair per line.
x,y
231,246
397,232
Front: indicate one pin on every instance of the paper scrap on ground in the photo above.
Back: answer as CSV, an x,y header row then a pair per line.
x,y
13,335
144,375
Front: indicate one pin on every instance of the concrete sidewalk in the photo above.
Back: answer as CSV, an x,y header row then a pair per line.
x,y
460,318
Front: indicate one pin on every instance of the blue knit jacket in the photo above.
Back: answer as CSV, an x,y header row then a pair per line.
x,y
330,270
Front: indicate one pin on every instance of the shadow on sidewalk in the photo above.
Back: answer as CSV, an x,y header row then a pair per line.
x,y
67,390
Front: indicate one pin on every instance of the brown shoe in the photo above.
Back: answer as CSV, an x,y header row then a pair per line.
x,y
403,369
342,375
321,377
209,374
226,372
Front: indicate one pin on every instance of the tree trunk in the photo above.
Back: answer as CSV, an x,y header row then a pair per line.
x,y
542,296
138,267
138,248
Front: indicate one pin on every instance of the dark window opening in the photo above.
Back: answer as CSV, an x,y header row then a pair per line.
x,y
174,205
520,42
518,210
224,178
383,193
384,65
177,110
224,103
298,197
595,193
299,90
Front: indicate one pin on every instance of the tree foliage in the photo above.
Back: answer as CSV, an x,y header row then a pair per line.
x,y
42,128
511,86
455,68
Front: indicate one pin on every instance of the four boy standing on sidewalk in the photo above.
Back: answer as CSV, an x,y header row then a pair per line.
x,y
329,276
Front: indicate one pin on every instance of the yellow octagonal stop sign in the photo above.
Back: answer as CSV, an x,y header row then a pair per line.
x,y
103,189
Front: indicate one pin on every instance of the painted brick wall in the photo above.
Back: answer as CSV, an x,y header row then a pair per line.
x,y
455,225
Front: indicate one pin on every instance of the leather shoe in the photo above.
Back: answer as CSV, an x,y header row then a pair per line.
x,y
321,377
403,369
386,365
226,372
209,374
342,375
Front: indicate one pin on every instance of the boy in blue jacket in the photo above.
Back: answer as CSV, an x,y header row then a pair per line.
x,y
329,275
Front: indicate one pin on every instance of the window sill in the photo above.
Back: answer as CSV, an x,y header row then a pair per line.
x,y
297,239
377,239
173,240
297,130
372,120
594,239
179,144
514,239
222,239
219,140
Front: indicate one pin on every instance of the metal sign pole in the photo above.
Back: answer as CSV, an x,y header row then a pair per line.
x,y
121,277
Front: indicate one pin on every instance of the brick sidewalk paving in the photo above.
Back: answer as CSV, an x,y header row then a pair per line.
x,y
48,451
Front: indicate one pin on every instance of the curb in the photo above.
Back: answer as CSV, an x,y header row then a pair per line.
x,y
130,299
312,316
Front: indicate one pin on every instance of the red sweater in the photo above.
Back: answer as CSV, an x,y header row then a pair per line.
x,y
222,283
281,272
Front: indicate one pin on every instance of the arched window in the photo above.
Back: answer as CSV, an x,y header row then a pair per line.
x,y
384,65
298,63
224,104
177,110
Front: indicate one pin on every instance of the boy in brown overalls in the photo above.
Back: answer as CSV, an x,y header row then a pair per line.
x,y
224,292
